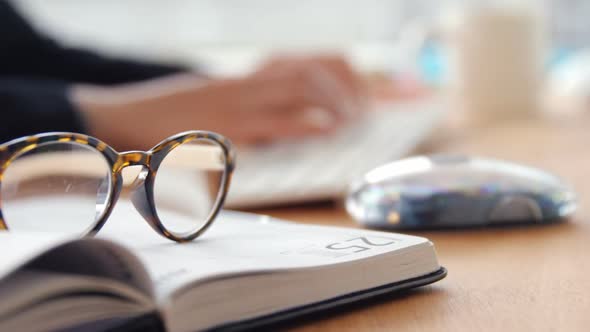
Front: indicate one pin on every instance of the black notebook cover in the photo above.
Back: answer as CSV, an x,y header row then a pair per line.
x,y
340,301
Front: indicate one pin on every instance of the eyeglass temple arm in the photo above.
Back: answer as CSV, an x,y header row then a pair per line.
x,y
84,163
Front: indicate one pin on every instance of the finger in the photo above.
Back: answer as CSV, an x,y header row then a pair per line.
x,y
301,123
405,88
350,79
354,86
314,86
298,88
287,124
342,69
334,63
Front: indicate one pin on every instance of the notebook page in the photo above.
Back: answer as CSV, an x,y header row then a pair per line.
x,y
68,255
19,248
239,243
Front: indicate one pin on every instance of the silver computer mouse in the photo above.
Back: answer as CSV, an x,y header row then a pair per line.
x,y
443,191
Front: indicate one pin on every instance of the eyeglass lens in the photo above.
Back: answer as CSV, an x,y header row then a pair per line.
x,y
58,186
188,185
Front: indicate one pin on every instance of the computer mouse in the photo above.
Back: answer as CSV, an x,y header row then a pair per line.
x,y
445,191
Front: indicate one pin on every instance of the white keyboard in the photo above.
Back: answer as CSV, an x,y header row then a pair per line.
x,y
322,168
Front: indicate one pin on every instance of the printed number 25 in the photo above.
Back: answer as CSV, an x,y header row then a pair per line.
x,y
362,243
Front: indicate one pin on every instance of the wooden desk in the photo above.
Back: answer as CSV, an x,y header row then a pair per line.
x,y
534,278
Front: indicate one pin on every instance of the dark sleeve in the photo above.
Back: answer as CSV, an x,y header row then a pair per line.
x,y
25,52
35,106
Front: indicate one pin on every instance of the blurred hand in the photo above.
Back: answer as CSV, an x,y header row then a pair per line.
x,y
287,97
385,88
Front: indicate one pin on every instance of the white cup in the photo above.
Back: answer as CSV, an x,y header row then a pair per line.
x,y
497,52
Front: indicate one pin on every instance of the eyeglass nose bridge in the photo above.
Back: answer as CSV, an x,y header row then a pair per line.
x,y
132,158
142,191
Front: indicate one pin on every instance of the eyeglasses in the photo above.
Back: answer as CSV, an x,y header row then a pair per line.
x,y
70,182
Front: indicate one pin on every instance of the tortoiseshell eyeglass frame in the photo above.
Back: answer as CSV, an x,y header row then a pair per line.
x,y
142,195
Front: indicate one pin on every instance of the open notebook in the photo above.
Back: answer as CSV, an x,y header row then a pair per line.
x,y
246,271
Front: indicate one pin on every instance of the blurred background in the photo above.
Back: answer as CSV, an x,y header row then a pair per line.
x,y
228,37
188,30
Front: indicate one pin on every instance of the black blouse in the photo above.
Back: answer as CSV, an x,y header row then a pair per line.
x,y
35,72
